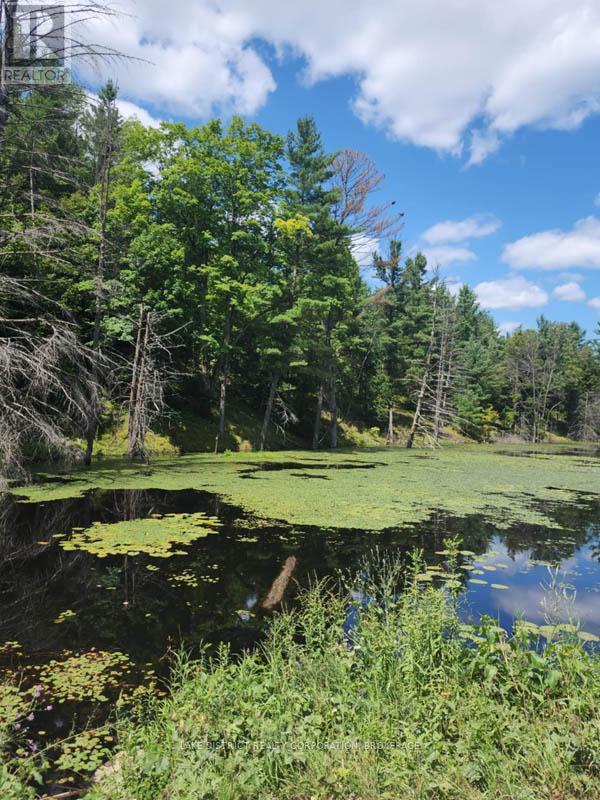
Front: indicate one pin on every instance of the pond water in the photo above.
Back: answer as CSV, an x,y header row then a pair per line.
x,y
62,595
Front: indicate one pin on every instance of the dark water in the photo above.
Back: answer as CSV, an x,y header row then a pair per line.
x,y
142,606
145,606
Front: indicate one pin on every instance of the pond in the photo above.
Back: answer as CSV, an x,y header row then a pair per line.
x,y
99,568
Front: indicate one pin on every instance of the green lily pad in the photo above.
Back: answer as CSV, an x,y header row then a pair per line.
x,y
154,536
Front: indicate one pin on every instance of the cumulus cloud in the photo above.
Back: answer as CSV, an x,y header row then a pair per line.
x,y
516,292
443,256
130,110
474,227
556,249
571,291
440,75
595,303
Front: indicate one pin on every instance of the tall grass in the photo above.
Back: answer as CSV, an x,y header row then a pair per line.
x,y
406,703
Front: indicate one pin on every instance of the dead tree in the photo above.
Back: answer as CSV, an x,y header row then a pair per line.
x,y
268,411
587,417
23,23
147,383
445,372
105,166
356,178
426,375
47,384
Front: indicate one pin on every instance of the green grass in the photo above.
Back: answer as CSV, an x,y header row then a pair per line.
x,y
409,708
392,487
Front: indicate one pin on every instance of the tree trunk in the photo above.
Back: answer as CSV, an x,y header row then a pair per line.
x,y
137,423
317,427
223,377
99,280
268,412
334,413
440,382
423,389
389,437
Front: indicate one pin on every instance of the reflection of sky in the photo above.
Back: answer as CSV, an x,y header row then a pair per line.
x,y
528,587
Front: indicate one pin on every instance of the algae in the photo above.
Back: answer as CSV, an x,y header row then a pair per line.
x,y
153,535
403,487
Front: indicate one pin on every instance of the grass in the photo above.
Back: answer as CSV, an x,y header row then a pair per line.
x,y
407,704
385,487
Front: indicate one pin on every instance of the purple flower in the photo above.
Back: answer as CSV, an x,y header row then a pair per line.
x,y
49,708
30,717
37,690
17,726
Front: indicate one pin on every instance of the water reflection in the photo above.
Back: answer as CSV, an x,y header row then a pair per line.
x,y
216,588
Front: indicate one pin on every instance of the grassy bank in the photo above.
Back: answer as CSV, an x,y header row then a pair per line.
x,y
407,703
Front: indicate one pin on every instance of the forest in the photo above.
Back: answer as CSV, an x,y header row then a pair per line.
x,y
285,512
153,275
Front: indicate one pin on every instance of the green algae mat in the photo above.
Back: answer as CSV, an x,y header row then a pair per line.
x,y
368,489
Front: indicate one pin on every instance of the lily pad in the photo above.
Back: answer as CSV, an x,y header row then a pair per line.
x,y
154,536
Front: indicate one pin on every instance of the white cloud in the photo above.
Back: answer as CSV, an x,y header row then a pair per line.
x,y
483,144
130,110
514,292
454,284
595,303
435,74
556,249
571,291
509,327
471,228
363,247
443,256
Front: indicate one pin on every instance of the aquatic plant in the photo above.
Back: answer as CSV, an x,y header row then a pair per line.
x,y
505,486
408,702
152,535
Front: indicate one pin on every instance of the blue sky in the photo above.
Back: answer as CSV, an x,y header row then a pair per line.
x,y
484,117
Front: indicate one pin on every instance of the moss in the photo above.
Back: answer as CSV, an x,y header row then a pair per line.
x,y
390,487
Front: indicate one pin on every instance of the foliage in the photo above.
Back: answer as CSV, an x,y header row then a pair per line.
x,y
240,246
372,695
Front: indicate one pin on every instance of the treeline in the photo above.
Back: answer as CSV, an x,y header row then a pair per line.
x,y
171,270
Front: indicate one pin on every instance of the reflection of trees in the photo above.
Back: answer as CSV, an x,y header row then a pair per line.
x,y
123,605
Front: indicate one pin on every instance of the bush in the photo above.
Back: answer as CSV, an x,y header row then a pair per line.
x,y
371,694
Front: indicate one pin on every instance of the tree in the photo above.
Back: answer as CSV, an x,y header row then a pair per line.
x,y
103,128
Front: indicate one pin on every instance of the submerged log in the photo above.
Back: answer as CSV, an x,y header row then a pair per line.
x,y
279,585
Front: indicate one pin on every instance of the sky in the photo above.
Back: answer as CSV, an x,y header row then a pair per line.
x,y
483,116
